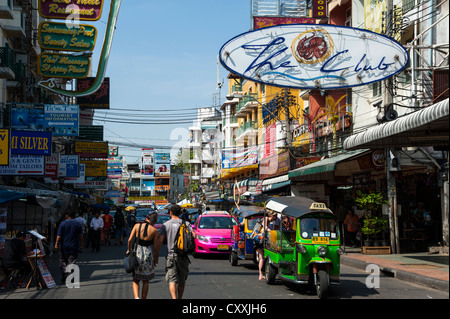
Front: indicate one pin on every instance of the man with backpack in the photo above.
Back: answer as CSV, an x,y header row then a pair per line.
x,y
177,261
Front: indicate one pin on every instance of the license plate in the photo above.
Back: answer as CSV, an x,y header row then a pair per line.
x,y
223,247
321,240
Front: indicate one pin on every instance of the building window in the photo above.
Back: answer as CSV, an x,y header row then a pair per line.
x,y
348,17
376,89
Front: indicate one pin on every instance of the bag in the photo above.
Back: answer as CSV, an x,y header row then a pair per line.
x,y
184,240
130,261
256,235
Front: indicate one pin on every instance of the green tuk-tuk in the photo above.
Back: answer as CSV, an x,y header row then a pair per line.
x,y
306,247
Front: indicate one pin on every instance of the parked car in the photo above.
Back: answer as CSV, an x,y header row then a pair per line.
x,y
213,232
141,213
162,218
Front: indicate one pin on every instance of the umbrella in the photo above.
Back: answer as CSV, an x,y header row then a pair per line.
x,y
187,205
130,208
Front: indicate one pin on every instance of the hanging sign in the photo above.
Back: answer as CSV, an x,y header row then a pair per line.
x,y
319,8
60,65
4,147
31,143
310,56
90,10
27,165
66,37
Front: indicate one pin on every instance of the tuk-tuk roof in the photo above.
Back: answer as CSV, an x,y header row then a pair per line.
x,y
246,211
295,206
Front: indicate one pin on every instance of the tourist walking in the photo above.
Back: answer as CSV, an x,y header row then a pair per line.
x,y
177,266
148,236
119,225
96,229
69,239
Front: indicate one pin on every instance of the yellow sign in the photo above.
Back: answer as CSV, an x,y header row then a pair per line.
x,y
320,240
95,168
92,149
4,147
318,206
373,15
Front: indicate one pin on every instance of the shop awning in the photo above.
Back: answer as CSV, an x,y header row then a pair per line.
x,y
326,165
426,127
10,196
275,183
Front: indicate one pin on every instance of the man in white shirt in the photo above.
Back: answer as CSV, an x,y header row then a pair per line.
x,y
96,228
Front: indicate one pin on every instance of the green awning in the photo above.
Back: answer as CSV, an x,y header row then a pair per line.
x,y
324,166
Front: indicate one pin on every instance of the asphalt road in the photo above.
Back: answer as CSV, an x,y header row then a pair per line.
x,y
102,277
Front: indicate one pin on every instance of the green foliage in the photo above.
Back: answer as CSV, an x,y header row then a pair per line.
x,y
374,225
371,201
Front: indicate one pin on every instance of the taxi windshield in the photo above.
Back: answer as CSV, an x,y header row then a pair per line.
x,y
318,227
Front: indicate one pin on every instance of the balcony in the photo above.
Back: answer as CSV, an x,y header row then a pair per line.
x,y
16,26
236,88
6,9
248,128
230,121
246,104
7,63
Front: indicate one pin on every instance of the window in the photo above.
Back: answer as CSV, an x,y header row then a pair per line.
x,y
348,17
376,89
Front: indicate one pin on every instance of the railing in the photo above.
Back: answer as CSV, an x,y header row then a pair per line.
x,y
250,125
6,57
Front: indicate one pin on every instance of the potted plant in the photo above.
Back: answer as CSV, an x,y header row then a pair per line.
x,y
369,229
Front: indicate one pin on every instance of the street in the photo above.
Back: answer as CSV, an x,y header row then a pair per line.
x,y
102,277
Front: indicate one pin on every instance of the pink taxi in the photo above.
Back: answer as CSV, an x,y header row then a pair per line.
x,y
213,231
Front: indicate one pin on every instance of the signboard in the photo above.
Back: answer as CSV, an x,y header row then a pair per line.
x,y
162,164
62,120
69,180
59,65
95,168
28,165
85,10
319,9
66,37
239,158
4,147
91,133
98,185
92,149
263,22
309,56
274,166
69,166
145,198
31,143
113,151
98,100
148,162
51,165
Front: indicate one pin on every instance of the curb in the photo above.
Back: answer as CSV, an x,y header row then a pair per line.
x,y
429,282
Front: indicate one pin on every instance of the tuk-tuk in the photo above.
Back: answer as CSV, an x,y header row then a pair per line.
x,y
306,249
242,246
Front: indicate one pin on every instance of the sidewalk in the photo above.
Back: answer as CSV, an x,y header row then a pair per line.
x,y
430,270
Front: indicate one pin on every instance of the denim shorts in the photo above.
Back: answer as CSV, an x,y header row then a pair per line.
x,y
177,269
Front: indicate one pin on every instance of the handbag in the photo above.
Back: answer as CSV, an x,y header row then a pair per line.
x,y
130,261
257,235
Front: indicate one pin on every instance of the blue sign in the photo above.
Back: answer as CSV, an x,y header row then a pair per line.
x,y
31,143
62,120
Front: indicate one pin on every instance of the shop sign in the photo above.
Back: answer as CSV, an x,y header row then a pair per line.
x,y
62,119
98,185
27,165
66,37
303,161
263,22
69,166
85,10
345,122
274,166
98,100
319,9
95,168
59,65
51,165
69,180
145,198
378,159
92,149
313,56
4,147
31,143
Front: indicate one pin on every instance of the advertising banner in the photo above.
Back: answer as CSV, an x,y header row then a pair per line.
x,y
66,37
162,164
31,143
62,120
263,22
92,149
27,165
27,116
4,147
69,166
239,158
274,166
95,168
59,65
148,163
305,56
319,9
98,100
51,165
88,10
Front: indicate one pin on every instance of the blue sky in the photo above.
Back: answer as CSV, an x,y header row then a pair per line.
x,y
164,57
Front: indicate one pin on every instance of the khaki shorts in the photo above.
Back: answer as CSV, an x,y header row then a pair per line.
x,y
177,269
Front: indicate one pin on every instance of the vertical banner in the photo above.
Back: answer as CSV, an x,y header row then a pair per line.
x,y
319,8
4,147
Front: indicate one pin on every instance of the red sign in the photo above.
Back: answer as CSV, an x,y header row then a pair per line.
x,y
262,22
319,8
87,10
274,166
51,166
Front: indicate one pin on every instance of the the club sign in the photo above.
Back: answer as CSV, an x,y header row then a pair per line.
x,y
311,56
66,37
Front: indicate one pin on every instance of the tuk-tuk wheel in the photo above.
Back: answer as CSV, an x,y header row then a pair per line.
x,y
233,258
322,284
271,272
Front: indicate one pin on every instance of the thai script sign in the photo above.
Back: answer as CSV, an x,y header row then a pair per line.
x,y
263,22
313,56
66,37
99,99
31,143
63,65
95,168
92,150
90,10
